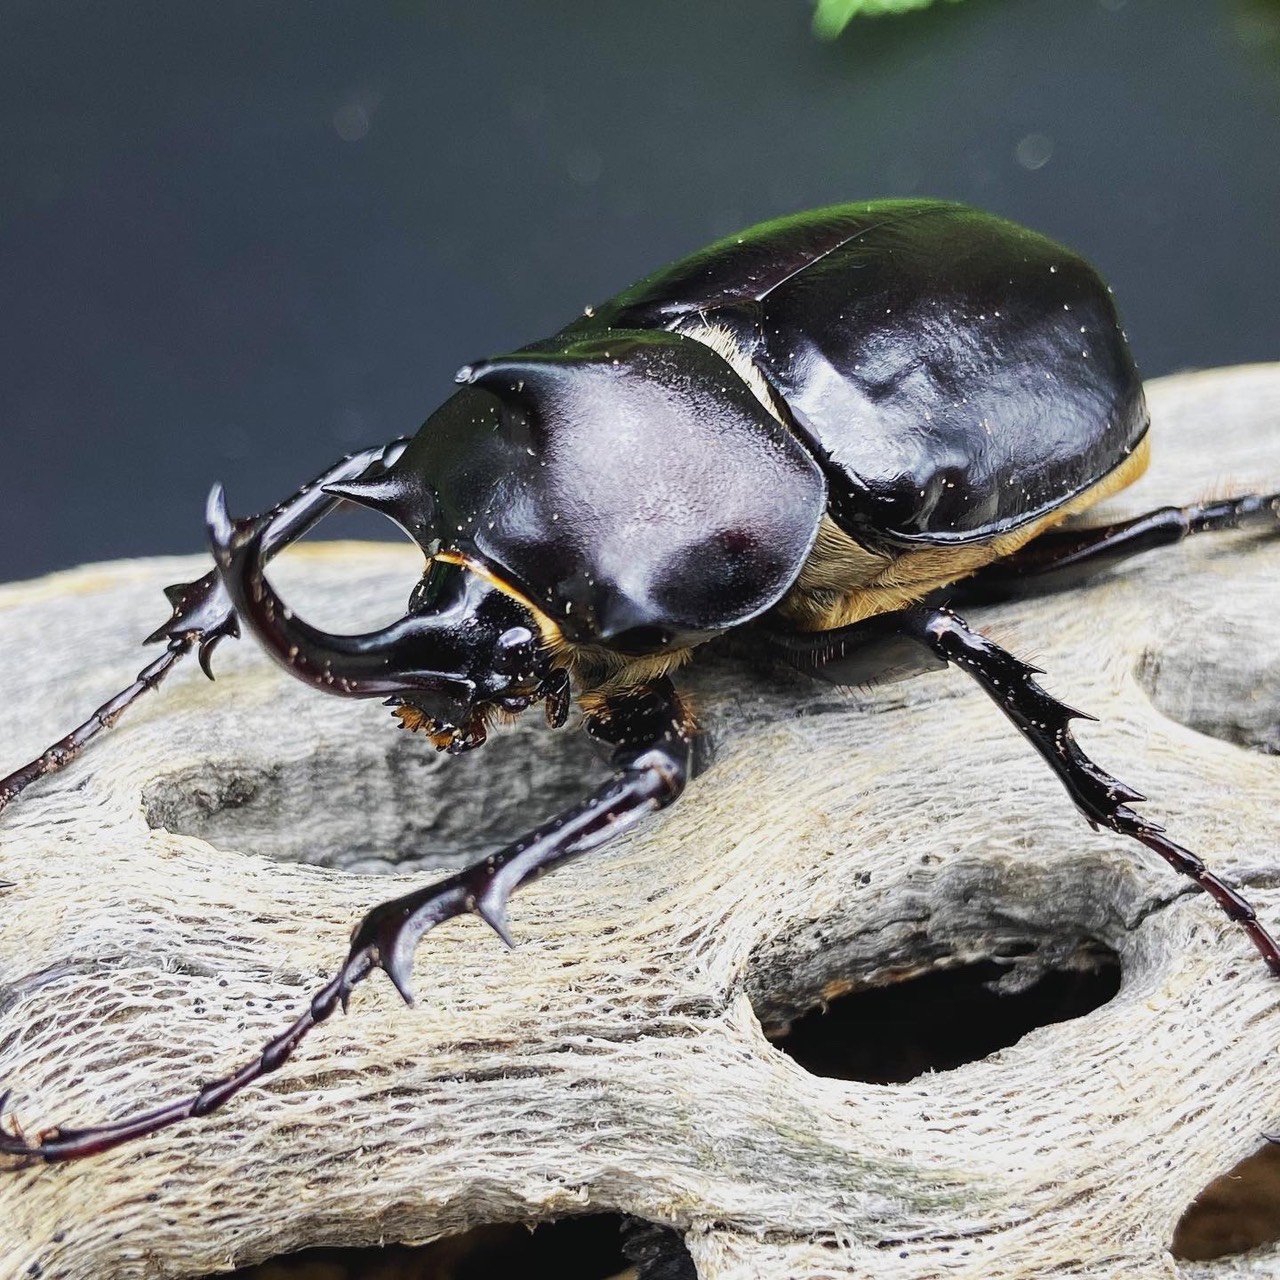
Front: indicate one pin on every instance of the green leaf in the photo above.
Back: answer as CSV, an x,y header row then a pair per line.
x,y
832,16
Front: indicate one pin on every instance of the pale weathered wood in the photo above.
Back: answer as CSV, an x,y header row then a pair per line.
x,y
162,920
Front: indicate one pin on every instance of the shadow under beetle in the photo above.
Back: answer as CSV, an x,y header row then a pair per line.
x,y
810,430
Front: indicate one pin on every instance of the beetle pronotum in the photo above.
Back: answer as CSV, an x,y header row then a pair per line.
x,y
892,398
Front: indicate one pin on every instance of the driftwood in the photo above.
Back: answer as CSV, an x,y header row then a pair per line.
x,y
174,896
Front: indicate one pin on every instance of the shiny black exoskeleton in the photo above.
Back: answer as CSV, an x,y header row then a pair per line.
x,y
809,430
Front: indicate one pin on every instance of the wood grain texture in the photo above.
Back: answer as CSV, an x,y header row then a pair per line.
x,y
174,896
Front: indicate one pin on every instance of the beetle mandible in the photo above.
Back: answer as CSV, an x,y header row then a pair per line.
x,y
890,398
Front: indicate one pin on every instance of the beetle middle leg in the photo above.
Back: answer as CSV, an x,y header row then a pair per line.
x,y
1063,558
939,637
654,753
203,614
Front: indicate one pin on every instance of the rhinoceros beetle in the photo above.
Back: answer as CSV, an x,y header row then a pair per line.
x,y
819,433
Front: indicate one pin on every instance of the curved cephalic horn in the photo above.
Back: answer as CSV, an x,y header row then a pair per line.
x,y
419,653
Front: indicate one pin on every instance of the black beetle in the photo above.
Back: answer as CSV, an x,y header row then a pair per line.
x,y
809,431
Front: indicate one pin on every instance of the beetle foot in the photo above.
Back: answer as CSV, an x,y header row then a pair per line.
x,y
15,1144
654,752
69,1144
386,939
13,1141
202,618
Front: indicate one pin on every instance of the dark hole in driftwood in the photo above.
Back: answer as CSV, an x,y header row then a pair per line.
x,y
600,1246
1236,1212
378,800
890,1034
1239,705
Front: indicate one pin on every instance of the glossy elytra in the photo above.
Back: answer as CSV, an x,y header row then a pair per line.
x,y
809,432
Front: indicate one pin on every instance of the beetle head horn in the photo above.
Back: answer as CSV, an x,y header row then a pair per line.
x,y
471,645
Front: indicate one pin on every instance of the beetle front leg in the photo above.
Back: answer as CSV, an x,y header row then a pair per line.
x,y
654,754
941,637
202,613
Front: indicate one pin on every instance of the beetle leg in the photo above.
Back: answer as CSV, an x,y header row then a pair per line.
x,y
202,614
1044,721
1063,558
654,754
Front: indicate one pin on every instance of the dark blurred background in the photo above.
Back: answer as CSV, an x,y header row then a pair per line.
x,y
239,240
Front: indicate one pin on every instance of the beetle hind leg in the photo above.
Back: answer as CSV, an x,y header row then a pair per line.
x,y
654,754
941,637
1060,559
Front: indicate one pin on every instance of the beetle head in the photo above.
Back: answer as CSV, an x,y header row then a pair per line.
x,y
465,650
625,492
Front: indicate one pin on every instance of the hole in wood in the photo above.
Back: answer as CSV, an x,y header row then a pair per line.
x,y
373,801
891,1034
601,1246
1236,1212
1241,704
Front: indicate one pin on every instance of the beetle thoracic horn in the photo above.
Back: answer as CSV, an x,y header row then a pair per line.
x,y
402,496
376,664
